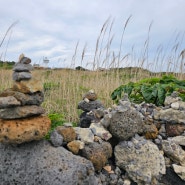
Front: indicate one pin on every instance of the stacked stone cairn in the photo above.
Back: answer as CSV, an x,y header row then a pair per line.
x,y
22,118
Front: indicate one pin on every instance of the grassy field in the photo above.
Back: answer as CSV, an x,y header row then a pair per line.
x,y
64,88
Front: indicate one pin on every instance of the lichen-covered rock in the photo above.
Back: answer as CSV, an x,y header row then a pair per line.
x,y
170,115
88,106
125,124
68,133
97,153
180,171
100,131
174,151
84,134
141,159
40,163
28,86
21,112
24,130
25,99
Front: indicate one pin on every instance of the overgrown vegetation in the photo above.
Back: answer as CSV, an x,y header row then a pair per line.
x,y
151,90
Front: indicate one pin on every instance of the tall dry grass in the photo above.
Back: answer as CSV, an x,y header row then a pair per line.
x,y
64,88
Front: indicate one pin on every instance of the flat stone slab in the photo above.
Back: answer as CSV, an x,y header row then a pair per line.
x,y
21,112
8,101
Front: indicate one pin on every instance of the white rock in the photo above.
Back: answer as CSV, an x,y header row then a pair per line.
x,y
100,131
179,170
175,105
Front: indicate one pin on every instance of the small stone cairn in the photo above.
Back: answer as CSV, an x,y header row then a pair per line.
x,y
22,118
92,109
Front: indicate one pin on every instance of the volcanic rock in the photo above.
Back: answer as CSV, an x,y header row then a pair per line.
x,y
8,101
24,130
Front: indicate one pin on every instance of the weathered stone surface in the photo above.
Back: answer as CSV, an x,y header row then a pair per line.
x,y
97,153
68,133
174,151
19,67
21,112
75,146
141,159
100,131
88,106
40,163
151,131
18,76
172,99
84,134
179,140
180,171
126,124
174,129
28,86
8,101
26,99
24,130
90,95
56,138
170,115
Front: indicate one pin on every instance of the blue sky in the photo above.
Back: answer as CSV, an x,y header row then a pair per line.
x,y
52,29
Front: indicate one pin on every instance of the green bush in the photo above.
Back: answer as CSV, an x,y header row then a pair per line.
x,y
151,90
56,120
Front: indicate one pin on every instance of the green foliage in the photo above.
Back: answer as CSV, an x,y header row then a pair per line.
x,y
151,90
56,120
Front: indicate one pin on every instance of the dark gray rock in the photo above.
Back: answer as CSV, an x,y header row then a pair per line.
x,y
39,163
21,112
124,125
26,99
8,101
19,67
56,138
18,76
88,106
86,120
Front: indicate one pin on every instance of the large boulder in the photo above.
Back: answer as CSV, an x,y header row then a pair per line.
x,y
124,124
141,159
40,163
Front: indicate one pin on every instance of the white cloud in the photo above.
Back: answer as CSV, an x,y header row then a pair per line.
x,y
52,28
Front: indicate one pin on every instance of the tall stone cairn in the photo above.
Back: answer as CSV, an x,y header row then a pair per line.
x,y
22,118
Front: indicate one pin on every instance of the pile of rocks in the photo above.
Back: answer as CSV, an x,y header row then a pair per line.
x,y
130,142
22,118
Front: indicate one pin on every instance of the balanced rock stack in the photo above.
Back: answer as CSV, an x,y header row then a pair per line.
x,y
22,118
93,109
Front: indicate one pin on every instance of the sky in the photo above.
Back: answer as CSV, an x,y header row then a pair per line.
x,y
55,28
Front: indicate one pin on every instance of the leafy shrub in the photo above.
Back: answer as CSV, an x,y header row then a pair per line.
x,y
151,90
